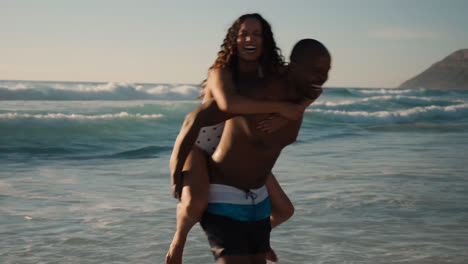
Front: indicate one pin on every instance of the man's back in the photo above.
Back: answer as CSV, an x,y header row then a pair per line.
x,y
245,156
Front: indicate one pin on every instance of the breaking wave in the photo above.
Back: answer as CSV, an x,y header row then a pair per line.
x,y
97,91
426,114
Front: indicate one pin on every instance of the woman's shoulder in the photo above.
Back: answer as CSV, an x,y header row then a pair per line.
x,y
219,78
219,73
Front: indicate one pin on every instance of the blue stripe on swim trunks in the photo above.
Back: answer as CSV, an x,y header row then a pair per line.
x,y
239,205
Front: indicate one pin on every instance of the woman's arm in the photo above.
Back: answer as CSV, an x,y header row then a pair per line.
x,y
206,114
275,121
220,83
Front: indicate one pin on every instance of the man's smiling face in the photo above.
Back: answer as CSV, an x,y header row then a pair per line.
x,y
311,73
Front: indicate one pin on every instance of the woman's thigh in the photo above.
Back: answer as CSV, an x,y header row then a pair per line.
x,y
195,176
278,198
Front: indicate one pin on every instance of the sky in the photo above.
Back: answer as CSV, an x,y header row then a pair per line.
x,y
374,43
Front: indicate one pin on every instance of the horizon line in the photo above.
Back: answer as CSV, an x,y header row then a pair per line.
x,y
104,82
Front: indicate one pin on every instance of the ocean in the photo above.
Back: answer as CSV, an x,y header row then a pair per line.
x,y
376,175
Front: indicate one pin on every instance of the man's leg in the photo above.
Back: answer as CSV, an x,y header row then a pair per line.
x,y
192,203
230,223
234,259
258,259
248,259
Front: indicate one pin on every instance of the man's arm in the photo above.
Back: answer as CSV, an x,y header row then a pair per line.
x,y
206,114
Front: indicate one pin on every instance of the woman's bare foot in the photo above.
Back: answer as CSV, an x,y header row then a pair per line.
x,y
176,250
271,256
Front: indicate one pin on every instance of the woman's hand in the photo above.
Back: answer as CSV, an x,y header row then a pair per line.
x,y
291,111
272,123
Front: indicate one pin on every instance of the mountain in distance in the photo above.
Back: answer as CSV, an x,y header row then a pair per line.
x,y
450,73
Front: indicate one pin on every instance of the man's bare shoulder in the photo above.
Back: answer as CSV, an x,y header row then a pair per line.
x,y
276,80
273,89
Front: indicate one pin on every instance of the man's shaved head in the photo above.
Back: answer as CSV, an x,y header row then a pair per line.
x,y
306,49
308,69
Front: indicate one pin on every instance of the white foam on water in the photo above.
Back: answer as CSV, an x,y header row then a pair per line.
x,y
18,86
108,87
407,115
159,89
90,91
78,116
389,91
185,89
398,98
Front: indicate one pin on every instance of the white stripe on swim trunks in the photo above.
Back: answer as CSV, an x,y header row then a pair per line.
x,y
220,193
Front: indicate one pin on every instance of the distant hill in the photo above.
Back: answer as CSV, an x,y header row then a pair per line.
x,y
450,73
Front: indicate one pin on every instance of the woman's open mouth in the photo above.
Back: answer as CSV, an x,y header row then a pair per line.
x,y
250,49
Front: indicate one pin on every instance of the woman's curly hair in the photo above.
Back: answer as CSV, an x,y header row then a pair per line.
x,y
271,60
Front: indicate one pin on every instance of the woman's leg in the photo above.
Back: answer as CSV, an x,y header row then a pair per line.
x,y
192,204
281,207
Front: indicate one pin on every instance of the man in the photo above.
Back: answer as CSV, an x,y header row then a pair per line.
x,y
237,219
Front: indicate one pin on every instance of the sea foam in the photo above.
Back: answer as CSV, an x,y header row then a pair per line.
x,y
78,116
398,116
99,91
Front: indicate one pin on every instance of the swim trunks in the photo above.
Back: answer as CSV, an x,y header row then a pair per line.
x,y
237,222
209,137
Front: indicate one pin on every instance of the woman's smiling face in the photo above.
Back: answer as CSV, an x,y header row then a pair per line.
x,y
250,40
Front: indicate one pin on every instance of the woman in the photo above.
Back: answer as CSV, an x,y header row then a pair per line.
x,y
248,53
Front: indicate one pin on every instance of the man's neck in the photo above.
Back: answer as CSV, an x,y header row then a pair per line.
x,y
293,90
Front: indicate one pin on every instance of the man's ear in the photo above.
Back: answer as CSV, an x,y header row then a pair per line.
x,y
292,66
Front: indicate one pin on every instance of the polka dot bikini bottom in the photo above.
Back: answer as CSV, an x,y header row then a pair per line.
x,y
209,137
